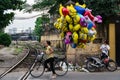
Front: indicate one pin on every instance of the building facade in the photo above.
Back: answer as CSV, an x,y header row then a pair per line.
x,y
114,39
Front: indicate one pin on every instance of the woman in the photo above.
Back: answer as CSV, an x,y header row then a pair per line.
x,y
50,58
104,49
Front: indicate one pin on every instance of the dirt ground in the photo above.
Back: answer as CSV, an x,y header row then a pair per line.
x,y
7,57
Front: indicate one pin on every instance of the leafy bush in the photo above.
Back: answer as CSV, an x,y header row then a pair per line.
x,y
5,39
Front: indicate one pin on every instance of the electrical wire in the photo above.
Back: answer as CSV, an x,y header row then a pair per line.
x,y
23,18
38,15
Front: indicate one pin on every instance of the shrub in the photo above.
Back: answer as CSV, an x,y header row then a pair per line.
x,y
5,39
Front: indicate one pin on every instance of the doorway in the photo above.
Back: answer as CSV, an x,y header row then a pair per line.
x,y
117,30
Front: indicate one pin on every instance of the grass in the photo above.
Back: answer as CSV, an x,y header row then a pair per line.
x,y
18,51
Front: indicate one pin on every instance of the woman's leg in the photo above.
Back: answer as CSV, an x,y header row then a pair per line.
x,y
52,65
104,56
46,62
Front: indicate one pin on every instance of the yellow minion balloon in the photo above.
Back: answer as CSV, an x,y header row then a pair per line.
x,y
84,30
83,36
72,11
75,37
62,34
76,27
91,38
71,27
83,6
64,29
81,45
68,19
76,19
60,9
56,24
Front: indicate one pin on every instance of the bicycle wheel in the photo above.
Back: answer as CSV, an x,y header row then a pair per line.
x,y
61,68
37,70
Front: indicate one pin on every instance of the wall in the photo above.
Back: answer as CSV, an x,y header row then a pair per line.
x,y
79,54
112,41
73,54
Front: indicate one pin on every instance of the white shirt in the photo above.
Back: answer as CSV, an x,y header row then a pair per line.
x,y
105,48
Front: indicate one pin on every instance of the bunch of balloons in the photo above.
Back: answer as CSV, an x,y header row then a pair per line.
x,y
77,24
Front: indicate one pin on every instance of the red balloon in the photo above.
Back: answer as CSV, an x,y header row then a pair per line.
x,y
89,14
94,26
65,11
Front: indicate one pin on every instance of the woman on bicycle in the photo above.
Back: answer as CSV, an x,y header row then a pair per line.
x,y
50,58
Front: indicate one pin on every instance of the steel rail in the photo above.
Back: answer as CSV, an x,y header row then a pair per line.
x,y
25,76
11,68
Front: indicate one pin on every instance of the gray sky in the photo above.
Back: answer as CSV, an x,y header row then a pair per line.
x,y
23,24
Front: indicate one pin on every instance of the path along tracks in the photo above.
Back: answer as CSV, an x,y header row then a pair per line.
x,y
31,51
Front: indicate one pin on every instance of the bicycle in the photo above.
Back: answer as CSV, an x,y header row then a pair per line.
x,y
61,66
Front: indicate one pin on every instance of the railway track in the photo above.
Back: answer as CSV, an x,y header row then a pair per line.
x,y
27,73
29,54
25,76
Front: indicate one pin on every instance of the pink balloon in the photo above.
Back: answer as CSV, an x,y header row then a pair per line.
x,y
67,41
69,33
99,19
67,37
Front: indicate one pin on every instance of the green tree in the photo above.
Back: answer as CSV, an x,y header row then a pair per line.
x,y
5,39
40,26
6,18
52,5
105,8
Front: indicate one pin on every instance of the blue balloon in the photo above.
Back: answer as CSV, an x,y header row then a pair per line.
x,y
81,16
73,45
79,9
90,25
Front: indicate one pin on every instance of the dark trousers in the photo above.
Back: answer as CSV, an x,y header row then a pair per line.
x,y
103,56
50,62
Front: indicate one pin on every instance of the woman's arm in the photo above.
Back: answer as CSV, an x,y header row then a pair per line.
x,y
51,50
